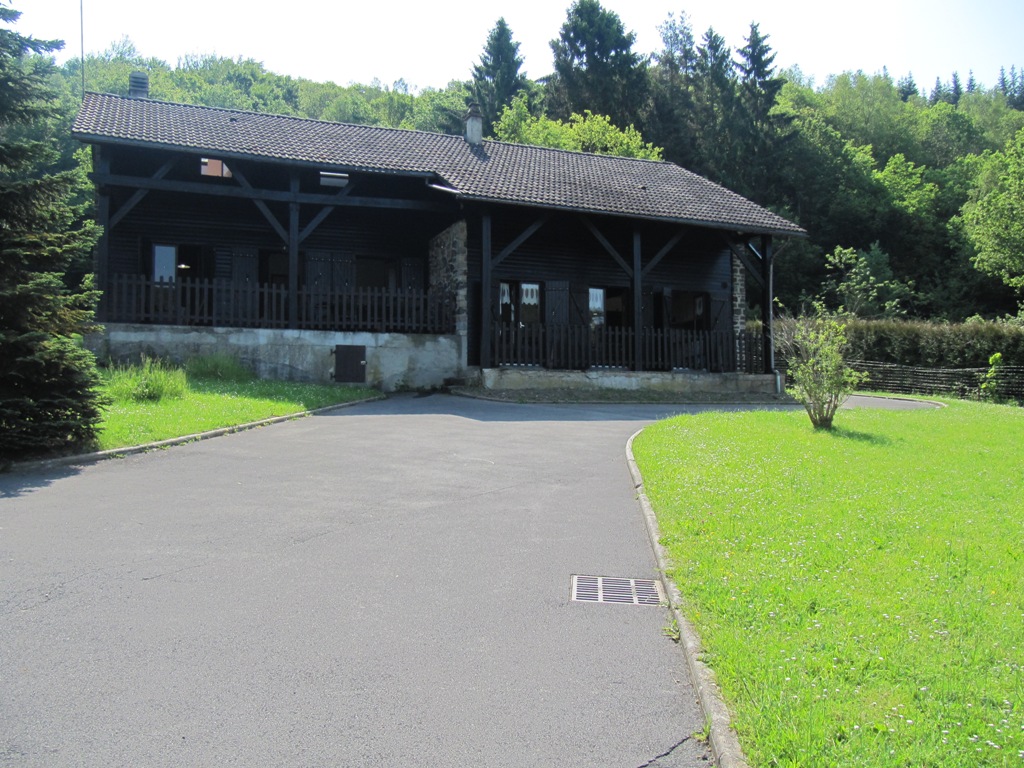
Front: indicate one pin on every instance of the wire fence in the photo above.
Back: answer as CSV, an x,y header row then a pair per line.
x,y
1007,381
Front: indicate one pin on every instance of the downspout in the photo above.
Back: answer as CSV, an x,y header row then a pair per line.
x,y
769,298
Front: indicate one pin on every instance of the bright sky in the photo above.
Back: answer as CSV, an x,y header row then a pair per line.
x,y
429,42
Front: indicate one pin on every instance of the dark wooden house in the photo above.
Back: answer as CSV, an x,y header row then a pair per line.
x,y
311,248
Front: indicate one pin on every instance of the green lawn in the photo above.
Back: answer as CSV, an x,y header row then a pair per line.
x,y
211,404
860,593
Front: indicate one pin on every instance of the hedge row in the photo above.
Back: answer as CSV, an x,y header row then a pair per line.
x,y
934,345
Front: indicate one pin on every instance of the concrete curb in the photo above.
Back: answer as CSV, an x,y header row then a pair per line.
x,y
116,453
724,743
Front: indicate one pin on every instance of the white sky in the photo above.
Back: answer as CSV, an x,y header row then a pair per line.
x,y
429,42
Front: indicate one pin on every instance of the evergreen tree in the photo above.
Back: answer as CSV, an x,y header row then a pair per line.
x,y
956,89
1002,83
668,125
714,110
48,397
596,68
496,79
906,87
759,130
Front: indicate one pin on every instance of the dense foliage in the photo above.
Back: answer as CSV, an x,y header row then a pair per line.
x,y
48,399
936,345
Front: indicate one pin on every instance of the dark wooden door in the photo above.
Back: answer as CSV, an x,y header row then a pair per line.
x,y
350,364
556,304
245,275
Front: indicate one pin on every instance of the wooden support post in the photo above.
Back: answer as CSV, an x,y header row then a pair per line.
x,y
293,255
101,259
485,294
638,310
767,298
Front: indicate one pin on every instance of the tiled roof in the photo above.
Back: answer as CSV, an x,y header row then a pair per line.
x,y
492,171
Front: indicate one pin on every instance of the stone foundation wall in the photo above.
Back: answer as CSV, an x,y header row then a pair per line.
x,y
394,361
678,382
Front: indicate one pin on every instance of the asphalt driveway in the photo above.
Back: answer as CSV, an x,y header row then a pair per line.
x,y
383,585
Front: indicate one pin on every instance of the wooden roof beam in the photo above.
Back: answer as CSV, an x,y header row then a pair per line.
x,y
136,198
607,246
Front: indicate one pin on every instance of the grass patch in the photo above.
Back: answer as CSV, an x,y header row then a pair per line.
x,y
860,593
219,395
150,381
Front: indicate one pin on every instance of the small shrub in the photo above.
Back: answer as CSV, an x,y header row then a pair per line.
x,y
152,380
989,386
221,367
817,365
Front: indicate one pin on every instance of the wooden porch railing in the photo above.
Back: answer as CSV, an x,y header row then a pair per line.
x,y
578,347
192,301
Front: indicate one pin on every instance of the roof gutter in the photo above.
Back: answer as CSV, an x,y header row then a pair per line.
x,y
442,188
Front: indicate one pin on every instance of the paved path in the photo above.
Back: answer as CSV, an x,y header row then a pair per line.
x,y
384,585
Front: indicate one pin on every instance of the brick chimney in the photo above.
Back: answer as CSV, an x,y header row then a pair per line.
x,y
474,125
138,85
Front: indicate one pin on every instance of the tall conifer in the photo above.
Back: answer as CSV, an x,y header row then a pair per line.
x,y
496,79
48,397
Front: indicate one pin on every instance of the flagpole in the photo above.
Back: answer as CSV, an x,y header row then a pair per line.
x,y
81,29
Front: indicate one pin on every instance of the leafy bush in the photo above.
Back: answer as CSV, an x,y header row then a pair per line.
x,y
821,378
221,367
152,380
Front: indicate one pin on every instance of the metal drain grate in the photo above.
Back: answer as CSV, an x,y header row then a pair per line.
x,y
606,589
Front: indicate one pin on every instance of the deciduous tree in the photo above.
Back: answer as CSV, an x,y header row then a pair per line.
x,y
994,220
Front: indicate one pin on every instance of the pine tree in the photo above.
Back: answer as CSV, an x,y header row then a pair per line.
x,y
668,125
496,79
48,396
759,131
596,68
714,111
906,87
956,89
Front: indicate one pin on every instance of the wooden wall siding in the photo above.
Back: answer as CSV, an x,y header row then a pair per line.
x,y
224,225
563,249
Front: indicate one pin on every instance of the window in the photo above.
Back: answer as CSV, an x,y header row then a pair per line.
x,y
331,179
689,310
529,303
597,313
211,167
165,263
519,303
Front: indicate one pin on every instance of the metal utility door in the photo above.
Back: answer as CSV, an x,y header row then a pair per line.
x,y
350,364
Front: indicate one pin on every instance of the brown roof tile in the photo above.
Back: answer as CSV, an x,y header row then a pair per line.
x,y
493,171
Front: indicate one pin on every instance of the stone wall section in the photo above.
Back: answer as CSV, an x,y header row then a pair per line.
x,y
739,304
449,271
